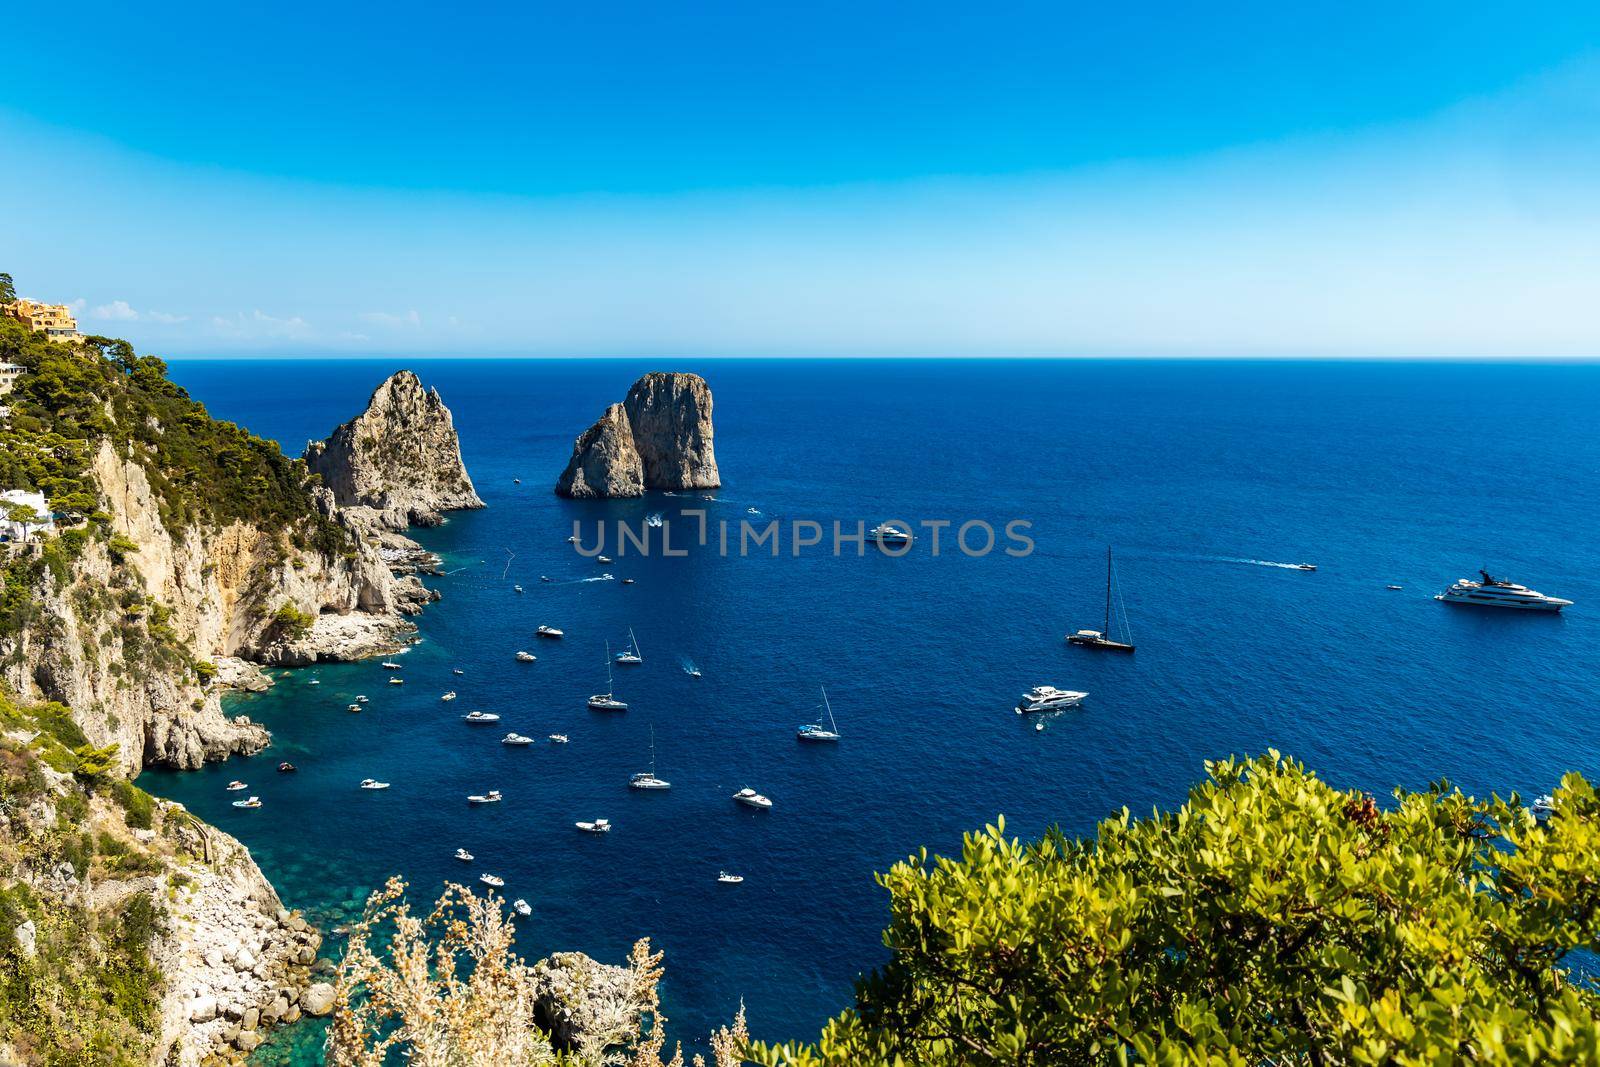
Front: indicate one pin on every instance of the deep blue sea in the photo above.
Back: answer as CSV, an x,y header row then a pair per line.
x,y
1378,473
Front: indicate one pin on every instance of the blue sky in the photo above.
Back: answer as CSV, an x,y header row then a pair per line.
x,y
820,179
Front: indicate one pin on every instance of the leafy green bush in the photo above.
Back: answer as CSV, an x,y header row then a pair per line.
x,y
138,807
1271,919
289,621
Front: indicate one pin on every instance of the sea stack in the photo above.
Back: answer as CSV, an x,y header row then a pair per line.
x,y
400,458
660,437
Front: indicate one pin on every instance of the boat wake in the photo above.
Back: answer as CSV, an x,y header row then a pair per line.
x,y
1257,562
688,666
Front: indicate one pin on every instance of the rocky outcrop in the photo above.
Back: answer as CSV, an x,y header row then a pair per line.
x,y
660,437
400,459
577,996
604,462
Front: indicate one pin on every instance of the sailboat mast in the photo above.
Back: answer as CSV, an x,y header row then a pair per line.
x,y
1107,630
609,683
832,725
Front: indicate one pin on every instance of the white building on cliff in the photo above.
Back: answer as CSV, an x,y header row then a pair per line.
x,y
23,528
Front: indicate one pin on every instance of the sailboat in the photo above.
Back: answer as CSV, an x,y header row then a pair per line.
x,y
605,701
1103,638
815,731
648,779
632,654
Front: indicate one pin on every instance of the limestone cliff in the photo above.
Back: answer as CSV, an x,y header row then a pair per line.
x,y
400,458
660,437
605,462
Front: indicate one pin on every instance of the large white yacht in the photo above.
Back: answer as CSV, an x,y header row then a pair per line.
x,y
1495,592
1049,698
889,533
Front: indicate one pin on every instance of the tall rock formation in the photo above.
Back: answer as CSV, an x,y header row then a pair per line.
x,y
660,437
401,458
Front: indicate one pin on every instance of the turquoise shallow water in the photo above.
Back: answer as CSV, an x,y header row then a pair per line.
x,y
1378,473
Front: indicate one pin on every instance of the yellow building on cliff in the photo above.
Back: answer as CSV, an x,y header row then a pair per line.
x,y
55,321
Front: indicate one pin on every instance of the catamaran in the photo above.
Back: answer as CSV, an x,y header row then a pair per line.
x,y
631,654
648,779
815,731
1104,638
605,701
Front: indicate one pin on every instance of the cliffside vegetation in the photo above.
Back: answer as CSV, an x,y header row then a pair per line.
x,y
78,983
201,469
1271,919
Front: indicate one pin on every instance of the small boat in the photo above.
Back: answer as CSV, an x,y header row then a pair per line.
x,y
549,631
253,802
1394,587
750,798
491,797
653,519
729,879
1305,566
816,731
516,481
631,655
546,578
286,768
480,717
1101,638
516,739
516,588
522,907
397,681
492,881
235,786
361,699
606,701
369,783
388,666
449,696
352,707
752,511
887,533
1049,698
598,826
693,672
1543,807
602,559
558,739
313,682
526,657
464,856
627,581
457,670
572,540
648,779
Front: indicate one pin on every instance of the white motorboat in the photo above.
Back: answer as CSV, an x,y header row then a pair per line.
x,y
390,666
598,826
516,739
526,657
1049,698
522,907
464,856
750,798
477,717
549,631
602,559
729,879
1495,592
457,670
1394,587
816,731
252,802
370,783
558,739
627,581
653,519
517,588
449,696
607,701
889,533
313,682
235,786
397,681
1116,611
493,881
491,797
648,779
631,655
361,699
1544,806
572,540
352,707
1305,566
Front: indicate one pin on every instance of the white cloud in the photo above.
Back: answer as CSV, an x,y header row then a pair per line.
x,y
258,324
122,311
409,320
